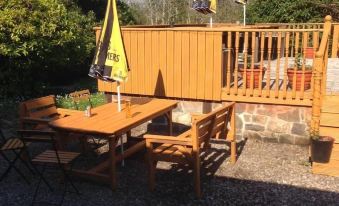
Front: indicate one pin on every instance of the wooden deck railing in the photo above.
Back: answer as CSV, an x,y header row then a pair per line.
x,y
277,68
200,63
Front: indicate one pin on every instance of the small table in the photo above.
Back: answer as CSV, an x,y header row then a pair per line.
x,y
106,121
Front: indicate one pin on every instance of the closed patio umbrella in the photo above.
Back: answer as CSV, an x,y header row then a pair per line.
x,y
110,62
205,7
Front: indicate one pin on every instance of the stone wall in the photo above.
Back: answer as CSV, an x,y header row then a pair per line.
x,y
273,123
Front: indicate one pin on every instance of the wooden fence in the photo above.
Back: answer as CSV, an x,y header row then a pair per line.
x,y
200,63
172,63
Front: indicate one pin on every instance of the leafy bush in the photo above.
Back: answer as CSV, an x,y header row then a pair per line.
x,y
42,42
291,11
96,99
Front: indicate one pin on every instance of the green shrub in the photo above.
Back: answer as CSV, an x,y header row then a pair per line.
x,y
42,42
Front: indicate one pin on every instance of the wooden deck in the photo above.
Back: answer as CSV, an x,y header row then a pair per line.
x,y
200,63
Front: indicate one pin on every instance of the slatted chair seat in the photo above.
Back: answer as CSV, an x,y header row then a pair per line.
x,y
186,147
49,156
13,144
17,147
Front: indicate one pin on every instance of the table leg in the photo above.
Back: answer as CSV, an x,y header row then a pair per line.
x,y
61,138
112,145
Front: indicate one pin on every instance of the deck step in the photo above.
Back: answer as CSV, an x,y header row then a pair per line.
x,y
332,167
330,131
329,119
330,104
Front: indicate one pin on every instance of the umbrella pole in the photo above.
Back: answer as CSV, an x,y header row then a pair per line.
x,y
211,21
119,110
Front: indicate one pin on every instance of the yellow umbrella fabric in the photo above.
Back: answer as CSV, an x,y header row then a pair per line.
x,y
213,6
110,62
116,56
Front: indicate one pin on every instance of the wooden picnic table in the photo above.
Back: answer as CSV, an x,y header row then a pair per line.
x,y
107,122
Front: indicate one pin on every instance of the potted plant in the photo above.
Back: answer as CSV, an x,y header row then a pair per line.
x,y
321,148
257,70
298,70
309,52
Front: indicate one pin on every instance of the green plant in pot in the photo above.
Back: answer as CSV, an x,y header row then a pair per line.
x,y
257,70
321,147
298,72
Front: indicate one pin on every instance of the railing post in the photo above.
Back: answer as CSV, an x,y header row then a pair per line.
x,y
319,68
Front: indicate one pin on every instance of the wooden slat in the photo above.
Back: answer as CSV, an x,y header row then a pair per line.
x,y
177,64
277,72
155,73
134,62
39,102
141,63
193,56
148,64
209,66
268,71
330,131
185,64
127,43
217,81
329,120
227,67
245,59
44,113
201,65
335,41
236,63
170,64
162,81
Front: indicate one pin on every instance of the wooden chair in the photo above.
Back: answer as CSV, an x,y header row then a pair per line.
x,y
186,147
53,157
17,147
83,95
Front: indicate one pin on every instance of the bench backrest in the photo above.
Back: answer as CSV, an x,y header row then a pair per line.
x,y
43,107
77,96
211,124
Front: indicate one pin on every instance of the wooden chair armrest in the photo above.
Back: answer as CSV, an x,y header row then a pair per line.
x,y
34,120
196,116
168,139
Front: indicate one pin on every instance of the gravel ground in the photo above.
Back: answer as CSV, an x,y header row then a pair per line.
x,y
265,174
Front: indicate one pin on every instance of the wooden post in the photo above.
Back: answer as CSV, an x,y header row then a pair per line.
x,y
233,136
97,34
319,68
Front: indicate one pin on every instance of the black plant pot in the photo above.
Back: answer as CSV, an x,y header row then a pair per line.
x,y
321,149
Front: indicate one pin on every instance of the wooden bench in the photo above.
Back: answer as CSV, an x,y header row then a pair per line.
x,y
37,113
186,147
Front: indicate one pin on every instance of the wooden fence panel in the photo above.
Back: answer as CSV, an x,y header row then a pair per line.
x,y
170,66
201,65
177,64
335,42
193,56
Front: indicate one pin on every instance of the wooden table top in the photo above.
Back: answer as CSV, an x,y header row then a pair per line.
x,y
108,121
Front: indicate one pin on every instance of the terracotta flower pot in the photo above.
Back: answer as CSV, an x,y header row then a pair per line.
x,y
321,149
309,52
307,80
256,75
